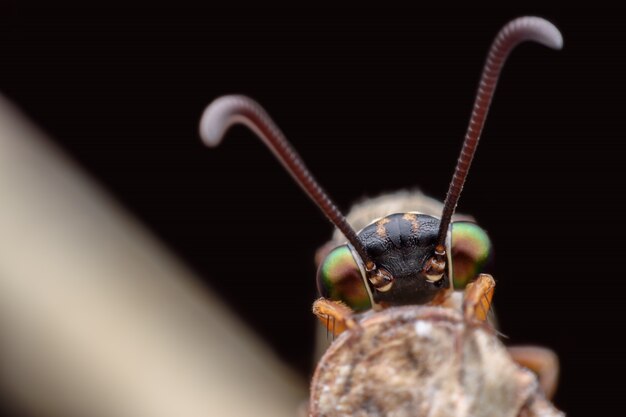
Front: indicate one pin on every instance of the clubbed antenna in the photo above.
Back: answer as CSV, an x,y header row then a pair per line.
x,y
512,34
226,111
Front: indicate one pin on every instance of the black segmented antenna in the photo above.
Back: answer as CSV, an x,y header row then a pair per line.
x,y
226,111
512,34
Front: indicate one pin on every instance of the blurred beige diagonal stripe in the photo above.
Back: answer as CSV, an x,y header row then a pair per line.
x,y
97,319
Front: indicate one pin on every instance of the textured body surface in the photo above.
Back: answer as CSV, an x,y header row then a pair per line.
x,y
401,244
422,361
371,209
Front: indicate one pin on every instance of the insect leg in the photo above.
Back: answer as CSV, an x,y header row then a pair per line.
x,y
327,326
477,298
541,361
339,313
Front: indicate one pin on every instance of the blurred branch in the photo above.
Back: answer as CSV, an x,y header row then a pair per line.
x,y
97,319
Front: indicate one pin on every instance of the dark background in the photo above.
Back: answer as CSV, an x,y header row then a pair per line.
x,y
374,100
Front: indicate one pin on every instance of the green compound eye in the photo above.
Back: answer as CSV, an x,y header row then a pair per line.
x,y
339,278
471,251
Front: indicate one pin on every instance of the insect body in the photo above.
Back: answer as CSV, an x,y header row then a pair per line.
x,y
409,347
406,257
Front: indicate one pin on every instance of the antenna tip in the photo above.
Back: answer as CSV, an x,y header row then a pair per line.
x,y
215,120
553,38
540,30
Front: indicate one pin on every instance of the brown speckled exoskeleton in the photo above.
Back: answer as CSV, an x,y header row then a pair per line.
x,y
407,288
414,361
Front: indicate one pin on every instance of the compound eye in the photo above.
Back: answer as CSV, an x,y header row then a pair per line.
x,y
339,278
471,252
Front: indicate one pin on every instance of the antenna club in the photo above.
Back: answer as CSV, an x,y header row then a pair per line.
x,y
533,28
220,115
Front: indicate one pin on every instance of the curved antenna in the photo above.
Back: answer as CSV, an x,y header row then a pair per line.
x,y
519,30
226,111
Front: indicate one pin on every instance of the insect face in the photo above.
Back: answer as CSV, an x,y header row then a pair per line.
x,y
400,245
